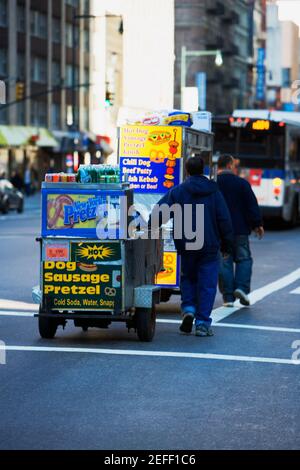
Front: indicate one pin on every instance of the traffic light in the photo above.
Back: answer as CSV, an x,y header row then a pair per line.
x,y
109,99
20,90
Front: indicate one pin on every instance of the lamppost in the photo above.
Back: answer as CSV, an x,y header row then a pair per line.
x,y
185,54
74,88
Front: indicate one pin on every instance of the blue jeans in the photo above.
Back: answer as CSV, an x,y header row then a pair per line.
x,y
236,269
199,281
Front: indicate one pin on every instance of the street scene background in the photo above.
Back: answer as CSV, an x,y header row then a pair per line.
x,y
73,69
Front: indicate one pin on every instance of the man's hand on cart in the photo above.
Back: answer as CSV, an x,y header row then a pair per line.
x,y
259,232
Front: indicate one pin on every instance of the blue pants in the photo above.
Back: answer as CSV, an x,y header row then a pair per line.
x,y
199,281
236,270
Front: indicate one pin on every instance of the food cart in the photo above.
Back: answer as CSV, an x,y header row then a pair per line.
x,y
91,272
152,160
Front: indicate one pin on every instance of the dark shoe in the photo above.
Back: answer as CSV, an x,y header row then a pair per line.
x,y
187,323
243,298
203,331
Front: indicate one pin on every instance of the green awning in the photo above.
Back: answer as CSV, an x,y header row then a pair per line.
x,y
20,136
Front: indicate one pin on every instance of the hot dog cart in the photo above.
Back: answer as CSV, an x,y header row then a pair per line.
x,y
91,272
152,160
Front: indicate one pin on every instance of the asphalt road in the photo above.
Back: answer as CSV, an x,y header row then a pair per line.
x,y
106,390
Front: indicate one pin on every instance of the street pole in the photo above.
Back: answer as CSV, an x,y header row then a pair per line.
x,y
74,90
185,54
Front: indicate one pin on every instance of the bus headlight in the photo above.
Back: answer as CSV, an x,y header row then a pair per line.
x,y
277,182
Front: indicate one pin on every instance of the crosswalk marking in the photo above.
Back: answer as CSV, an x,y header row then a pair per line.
x,y
296,291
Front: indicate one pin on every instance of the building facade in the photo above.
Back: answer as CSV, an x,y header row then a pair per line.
x,y
138,65
44,51
203,25
120,55
282,59
36,44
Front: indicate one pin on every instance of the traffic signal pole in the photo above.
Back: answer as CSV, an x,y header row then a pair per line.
x,y
74,91
43,93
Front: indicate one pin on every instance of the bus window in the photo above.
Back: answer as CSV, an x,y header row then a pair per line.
x,y
255,148
294,149
255,144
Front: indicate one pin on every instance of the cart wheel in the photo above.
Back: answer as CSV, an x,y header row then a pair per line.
x,y
47,327
145,323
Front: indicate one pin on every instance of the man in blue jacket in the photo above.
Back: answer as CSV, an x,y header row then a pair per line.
x,y
199,264
245,215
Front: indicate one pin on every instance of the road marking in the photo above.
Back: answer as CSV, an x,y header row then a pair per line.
x,y
6,304
239,325
9,313
257,295
130,352
296,291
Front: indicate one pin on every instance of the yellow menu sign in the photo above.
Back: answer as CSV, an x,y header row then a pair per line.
x,y
156,142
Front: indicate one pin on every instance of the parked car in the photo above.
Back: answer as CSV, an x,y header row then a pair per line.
x,y
10,197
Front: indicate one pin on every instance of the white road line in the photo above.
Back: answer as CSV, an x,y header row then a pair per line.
x,y
296,291
9,313
239,325
16,305
284,281
130,352
257,295
177,322
220,313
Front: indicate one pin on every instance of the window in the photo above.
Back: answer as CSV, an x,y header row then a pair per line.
x,y
38,113
21,114
69,75
56,30
3,13
69,35
3,116
86,7
56,74
21,21
39,70
39,25
286,77
86,76
294,150
73,3
55,116
86,41
86,120
21,72
3,62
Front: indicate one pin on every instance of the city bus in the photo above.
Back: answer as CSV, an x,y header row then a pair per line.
x,y
266,145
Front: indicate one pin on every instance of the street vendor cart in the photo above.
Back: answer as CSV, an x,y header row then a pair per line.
x,y
91,272
152,160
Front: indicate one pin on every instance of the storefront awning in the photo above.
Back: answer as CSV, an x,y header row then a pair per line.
x,y
21,136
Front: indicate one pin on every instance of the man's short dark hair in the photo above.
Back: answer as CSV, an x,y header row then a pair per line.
x,y
225,160
195,166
